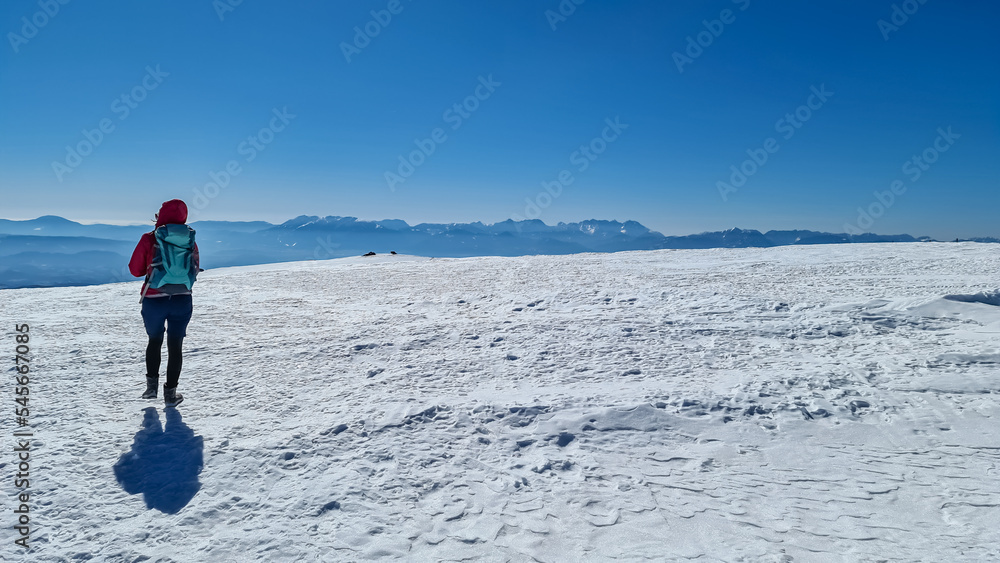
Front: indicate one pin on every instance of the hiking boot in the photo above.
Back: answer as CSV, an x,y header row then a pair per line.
x,y
171,397
150,392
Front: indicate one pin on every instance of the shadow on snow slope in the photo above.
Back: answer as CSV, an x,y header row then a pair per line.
x,y
163,464
987,298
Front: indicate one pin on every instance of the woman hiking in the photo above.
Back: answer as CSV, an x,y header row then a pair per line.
x,y
168,258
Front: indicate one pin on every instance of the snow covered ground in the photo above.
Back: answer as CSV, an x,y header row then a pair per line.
x,y
814,403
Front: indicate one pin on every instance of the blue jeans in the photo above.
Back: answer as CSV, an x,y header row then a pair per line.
x,y
174,310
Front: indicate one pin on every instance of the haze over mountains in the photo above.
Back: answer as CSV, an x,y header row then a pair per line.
x,y
53,251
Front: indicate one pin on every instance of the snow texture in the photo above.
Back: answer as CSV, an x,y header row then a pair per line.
x,y
816,403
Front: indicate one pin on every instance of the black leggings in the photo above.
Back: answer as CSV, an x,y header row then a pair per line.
x,y
174,359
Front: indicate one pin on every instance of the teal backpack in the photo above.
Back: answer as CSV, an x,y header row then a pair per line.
x,y
172,270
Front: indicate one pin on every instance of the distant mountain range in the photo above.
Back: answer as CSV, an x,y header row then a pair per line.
x,y
53,251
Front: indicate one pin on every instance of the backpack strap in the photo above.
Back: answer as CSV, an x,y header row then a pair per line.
x,y
149,268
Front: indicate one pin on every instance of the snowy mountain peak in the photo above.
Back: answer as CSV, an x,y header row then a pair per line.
x,y
299,221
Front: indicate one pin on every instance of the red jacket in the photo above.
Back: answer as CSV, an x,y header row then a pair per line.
x,y
173,212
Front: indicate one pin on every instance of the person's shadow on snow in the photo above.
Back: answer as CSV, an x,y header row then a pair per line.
x,y
163,463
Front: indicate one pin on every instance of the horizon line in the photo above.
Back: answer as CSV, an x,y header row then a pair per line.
x,y
117,223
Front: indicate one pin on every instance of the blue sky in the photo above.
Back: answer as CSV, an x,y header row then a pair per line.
x,y
209,85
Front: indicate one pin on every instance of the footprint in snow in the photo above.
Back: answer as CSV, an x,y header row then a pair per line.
x,y
564,439
335,430
332,505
